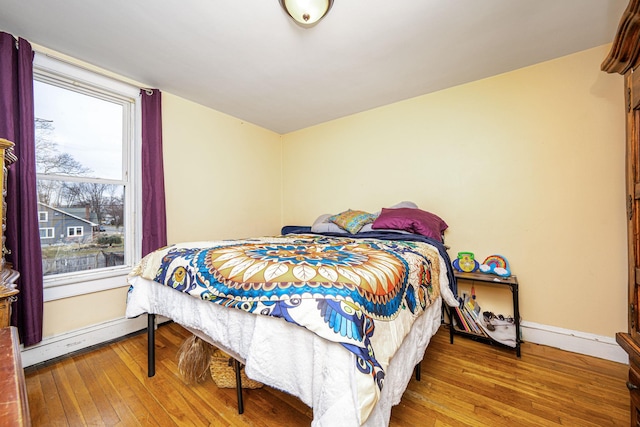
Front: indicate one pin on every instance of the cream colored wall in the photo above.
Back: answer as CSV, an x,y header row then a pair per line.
x,y
222,175
70,314
528,164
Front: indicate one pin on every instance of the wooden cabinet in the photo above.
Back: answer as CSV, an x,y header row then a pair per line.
x,y
8,295
624,58
8,276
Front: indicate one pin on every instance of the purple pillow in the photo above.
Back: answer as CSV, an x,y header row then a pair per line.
x,y
412,220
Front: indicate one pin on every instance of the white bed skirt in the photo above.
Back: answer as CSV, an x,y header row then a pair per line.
x,y
288,357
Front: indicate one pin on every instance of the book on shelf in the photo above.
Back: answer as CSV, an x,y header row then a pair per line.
x,y
469,319
477,323
460,319
468,316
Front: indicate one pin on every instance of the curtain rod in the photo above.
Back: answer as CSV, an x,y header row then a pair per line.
x,y
147,90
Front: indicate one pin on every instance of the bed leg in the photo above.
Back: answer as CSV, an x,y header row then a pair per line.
x,y
151,347
448,310
237,367
418,371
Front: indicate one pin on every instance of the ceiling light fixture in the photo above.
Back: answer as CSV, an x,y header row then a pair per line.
x,y
306,12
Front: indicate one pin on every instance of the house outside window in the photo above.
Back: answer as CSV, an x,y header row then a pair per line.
x,y
86,155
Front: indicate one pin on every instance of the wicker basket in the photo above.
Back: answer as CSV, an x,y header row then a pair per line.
x,y
224,374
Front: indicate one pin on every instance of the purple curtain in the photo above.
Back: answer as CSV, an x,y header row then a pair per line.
x,y
154,218
23,235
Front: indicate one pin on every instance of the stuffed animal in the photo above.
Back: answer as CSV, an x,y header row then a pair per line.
x,y
496,264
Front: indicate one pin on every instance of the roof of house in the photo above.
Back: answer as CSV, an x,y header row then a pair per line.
x,y
73,212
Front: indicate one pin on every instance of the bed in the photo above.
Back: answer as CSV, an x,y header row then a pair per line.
x,y
338,319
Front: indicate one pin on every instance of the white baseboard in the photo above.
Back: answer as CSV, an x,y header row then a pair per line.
x,y
574,341
69,342
565,339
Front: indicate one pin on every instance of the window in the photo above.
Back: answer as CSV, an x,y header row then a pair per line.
x,y
86,145
46,233
75,231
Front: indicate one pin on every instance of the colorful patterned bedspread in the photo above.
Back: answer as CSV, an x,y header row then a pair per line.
x,y
361,293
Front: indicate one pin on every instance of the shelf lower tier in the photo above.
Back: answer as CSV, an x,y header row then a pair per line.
x,y
455,330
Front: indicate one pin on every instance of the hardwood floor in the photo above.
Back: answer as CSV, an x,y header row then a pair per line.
x,y
464,384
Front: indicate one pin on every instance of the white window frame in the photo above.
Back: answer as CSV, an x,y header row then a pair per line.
x,y
49,232
43,216
60,286
75,231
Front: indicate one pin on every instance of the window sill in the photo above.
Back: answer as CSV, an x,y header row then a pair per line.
x,y
81,284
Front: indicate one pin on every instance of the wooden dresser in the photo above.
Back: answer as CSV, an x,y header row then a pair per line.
x,y
624,58
14,407
8,276
8,294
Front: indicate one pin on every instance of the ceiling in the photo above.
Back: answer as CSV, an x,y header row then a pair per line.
x,y
250,60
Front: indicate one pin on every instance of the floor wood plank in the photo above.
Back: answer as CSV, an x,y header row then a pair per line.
x,y
464,384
